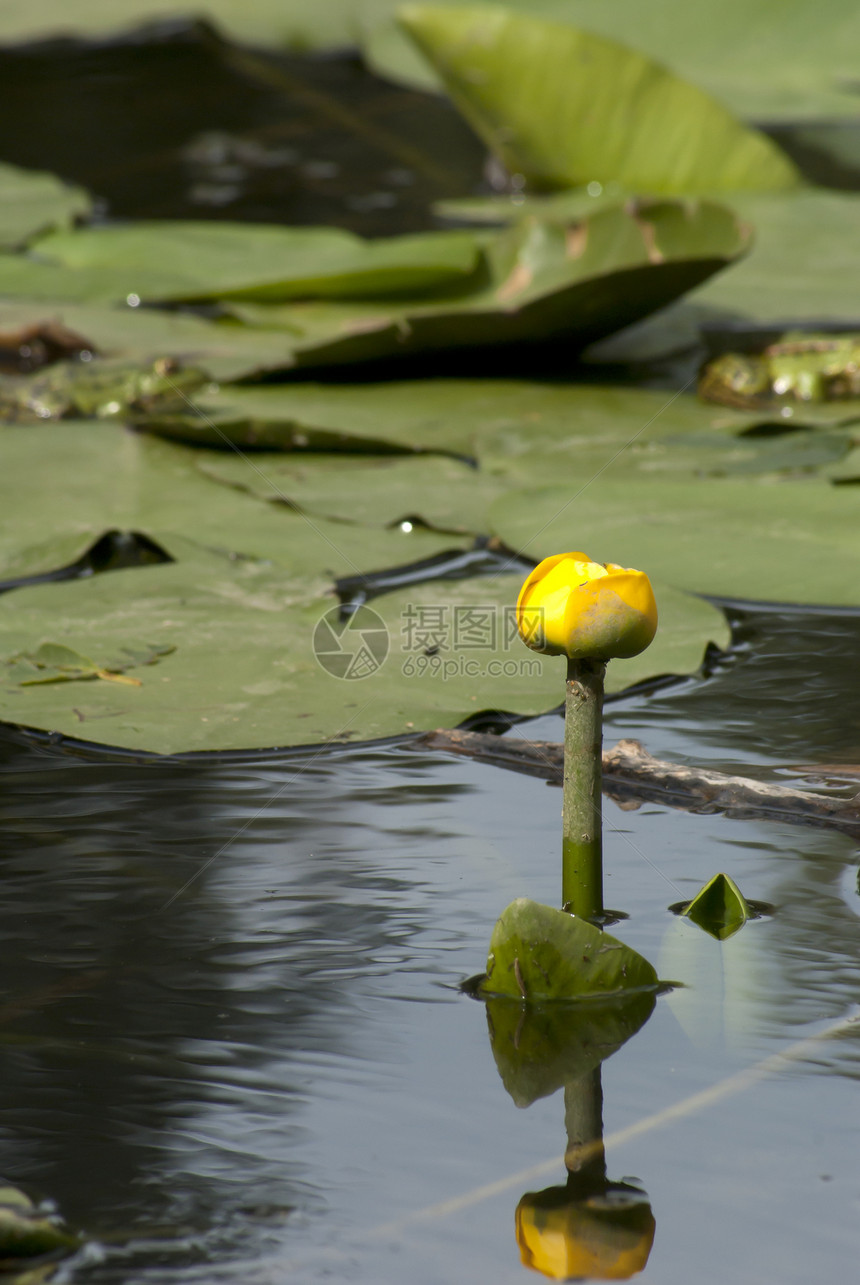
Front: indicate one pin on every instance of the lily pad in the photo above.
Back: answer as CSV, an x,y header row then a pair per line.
x,y
519,430
445,494
531,281
540,1047
538,954
249,669
173,261
142,334
241,601
565,107
806,252
795,541
798,275
32,203
541,280
809,69
103,477
56,663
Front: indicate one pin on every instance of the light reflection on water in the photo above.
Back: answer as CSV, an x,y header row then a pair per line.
x,y
243,1082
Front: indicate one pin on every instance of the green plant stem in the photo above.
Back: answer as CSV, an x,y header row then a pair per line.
x,y
582,838
583,1119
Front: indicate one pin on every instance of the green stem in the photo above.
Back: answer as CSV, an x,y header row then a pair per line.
x,y
583,1118
582,838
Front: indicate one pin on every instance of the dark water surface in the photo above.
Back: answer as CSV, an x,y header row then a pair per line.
x,y
267,1074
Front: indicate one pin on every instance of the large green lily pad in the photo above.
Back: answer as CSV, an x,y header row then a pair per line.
x,y
799,273
242,600
801,266
522,432
564,107
806,253
103,477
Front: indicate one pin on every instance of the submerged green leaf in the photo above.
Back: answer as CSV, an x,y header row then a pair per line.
x,y
55,663
538,954
719,907
564,107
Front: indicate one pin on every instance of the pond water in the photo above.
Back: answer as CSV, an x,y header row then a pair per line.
x,y
234,1047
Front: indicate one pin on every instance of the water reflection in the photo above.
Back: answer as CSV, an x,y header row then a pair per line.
x,y
590,1227
141,1033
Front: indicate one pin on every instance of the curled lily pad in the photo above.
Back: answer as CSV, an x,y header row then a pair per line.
x,y
564,107
538,954
719,907
810,70
539,280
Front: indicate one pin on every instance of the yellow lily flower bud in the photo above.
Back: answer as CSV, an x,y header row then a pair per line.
x,y
571,606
